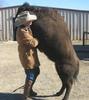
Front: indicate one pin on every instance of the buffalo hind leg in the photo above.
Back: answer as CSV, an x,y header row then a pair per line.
x,y
68,89
66,86
66,75
61,91
63,83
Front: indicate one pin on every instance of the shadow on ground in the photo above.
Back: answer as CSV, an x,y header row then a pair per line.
x,y
17,96
10,96
82,51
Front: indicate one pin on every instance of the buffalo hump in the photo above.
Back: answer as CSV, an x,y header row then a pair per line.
x,y
52,32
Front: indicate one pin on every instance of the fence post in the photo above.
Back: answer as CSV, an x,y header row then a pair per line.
x,y
83,38
14,33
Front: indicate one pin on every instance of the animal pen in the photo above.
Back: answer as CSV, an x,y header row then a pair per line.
x,y
76,20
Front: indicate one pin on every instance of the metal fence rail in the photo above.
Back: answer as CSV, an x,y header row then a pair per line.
x,y
6,23
76,20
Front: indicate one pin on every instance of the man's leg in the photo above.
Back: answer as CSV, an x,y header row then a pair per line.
x,y
27,88
37,71
31,75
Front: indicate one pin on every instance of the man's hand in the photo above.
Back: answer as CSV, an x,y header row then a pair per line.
x,y
33,42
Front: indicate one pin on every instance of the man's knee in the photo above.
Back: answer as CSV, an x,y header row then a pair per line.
x,y
31,74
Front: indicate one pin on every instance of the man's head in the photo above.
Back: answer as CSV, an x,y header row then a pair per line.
x,y
24,18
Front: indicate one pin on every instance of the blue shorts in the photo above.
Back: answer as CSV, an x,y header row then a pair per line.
x,y
31,74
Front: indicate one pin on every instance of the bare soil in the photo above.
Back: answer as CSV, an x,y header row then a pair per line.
x,y
48,83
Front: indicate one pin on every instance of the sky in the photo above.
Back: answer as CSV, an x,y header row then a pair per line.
x,y
69,4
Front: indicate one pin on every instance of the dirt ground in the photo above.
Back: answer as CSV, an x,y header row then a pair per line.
x,y
12,76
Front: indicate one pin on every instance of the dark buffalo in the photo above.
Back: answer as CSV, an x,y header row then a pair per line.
x,y
54,40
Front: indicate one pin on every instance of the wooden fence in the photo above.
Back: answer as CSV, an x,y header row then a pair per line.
x,y
77,22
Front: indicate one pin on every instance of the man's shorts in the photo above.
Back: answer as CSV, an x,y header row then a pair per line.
x,y
31,74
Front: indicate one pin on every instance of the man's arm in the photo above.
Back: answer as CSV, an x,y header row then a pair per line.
x,y
25,37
